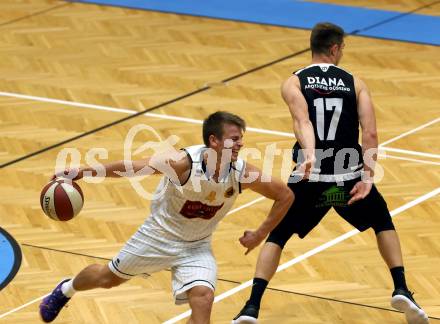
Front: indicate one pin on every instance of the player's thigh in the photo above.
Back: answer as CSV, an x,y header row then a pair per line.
x,y
372,211
303,215
195,268
142,255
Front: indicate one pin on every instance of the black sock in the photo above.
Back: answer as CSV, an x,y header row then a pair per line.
x,y
258,288
398,274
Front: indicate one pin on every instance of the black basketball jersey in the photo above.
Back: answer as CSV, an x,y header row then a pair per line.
x,y
331,99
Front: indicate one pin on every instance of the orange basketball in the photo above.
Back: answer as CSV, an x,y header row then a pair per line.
x,y
61,199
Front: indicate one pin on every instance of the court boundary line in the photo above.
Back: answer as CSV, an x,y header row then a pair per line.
x,y
23,306
133,113
130,112
408,159
310,253
409,152
411,131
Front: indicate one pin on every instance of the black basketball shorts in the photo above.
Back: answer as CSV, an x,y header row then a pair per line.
x,y
314,199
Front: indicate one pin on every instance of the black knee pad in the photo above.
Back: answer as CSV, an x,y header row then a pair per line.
x,y
383,224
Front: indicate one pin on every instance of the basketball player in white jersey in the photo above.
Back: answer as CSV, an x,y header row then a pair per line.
x,y
199,187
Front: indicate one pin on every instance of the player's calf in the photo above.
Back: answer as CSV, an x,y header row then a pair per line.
x,y
96,276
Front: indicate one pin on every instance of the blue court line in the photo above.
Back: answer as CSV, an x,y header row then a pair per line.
x,y
410,27
10,258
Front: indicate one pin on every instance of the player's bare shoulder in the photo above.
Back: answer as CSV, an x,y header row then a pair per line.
x,y
181,163
289,87
359,86
291,81
174,164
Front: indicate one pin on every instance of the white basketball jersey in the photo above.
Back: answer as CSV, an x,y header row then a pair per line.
x,y
191,212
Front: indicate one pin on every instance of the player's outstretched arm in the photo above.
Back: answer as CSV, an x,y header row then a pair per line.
x,y
274,189
302,126
174,164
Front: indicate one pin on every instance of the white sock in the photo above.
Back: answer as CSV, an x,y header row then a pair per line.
x,y
67,288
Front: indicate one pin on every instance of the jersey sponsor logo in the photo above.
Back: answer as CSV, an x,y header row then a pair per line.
x,y
229,193
211,196
325,81
334,196
197,209
326,84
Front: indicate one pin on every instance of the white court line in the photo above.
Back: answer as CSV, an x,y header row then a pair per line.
x,y
187,120
246,205
309,253
410,131
22,306
408,159
39,298
392,149
131,112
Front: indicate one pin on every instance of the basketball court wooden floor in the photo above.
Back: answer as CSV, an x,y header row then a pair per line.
x,y
102,64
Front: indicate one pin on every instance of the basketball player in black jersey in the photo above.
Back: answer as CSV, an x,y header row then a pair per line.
x,y
327,105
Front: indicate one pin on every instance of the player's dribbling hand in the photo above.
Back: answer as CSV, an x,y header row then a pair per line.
x,y
72,174
250,240
360,190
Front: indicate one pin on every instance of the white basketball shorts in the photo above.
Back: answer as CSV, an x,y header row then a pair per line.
x,y
191,263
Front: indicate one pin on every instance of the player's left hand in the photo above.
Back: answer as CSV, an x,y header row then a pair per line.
x,y
360,190
70,173
306,167
250,240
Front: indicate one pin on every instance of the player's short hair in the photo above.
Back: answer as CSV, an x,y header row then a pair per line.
x,y
213,125
324,35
